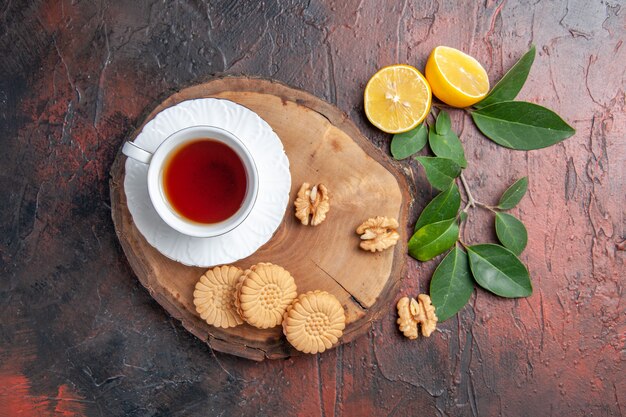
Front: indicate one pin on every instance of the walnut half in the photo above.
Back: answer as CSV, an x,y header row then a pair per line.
x,y
426,315
407,324
378,233
412,312
312,204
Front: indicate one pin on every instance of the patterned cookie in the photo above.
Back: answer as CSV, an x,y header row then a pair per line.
x,y
314,322
239,283
263,294
214,296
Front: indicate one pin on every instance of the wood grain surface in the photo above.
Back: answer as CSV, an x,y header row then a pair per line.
x,y
362,182
79,334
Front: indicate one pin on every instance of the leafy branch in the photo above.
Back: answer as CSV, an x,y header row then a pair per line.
x,y
495,267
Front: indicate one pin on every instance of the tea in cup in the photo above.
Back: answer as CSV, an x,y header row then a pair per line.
x,y
202,180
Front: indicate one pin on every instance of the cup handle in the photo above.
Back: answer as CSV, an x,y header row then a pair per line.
x,y
138,154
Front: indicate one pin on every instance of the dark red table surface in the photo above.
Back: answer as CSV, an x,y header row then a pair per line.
x,y
80,336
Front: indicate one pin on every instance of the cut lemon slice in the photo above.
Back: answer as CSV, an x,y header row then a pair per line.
x,y
456,78
397,98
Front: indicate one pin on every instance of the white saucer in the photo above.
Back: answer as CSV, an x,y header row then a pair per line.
x,y
274,183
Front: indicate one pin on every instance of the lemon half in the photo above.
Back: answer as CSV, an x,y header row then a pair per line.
x,y
456,78
397,98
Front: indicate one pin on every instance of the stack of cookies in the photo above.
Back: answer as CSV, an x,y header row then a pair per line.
x,y
265,296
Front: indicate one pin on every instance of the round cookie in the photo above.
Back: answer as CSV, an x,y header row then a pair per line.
x,y
314,322
214,296
263,294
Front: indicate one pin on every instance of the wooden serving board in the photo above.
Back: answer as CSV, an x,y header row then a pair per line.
x,y
323,146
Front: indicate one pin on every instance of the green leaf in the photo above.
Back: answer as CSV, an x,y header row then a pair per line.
x,y
521,125
443,123
513,194
463,216
433,239
498,270
406,144
440,172
447,146
511,83
511,232
452,285
444,206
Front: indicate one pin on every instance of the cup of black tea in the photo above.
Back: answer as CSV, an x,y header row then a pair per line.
x,y
202,180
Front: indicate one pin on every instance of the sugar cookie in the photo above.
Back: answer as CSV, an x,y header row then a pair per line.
x,y
214,296
263,294
314,322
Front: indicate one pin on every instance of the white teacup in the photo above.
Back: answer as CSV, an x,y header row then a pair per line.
x,y
156,162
